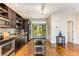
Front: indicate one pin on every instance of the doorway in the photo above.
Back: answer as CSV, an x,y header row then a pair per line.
x,y
70,31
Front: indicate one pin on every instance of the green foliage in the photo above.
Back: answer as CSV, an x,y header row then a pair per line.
x,y
38,30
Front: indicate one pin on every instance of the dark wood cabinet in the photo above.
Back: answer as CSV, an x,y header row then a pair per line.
x,y
26,25
14,20
9,14
3,11
12,17
19,42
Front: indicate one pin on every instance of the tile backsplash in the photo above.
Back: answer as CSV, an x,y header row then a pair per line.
x,y
10,30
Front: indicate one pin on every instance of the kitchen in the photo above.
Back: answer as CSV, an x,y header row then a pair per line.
x,y
26,30
13,32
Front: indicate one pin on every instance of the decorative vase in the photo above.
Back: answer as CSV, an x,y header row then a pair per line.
x,y
60,34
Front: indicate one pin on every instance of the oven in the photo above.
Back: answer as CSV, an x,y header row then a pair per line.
x,y
7,48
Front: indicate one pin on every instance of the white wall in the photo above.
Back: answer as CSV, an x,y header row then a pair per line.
x,y
58,22
76,28
49,28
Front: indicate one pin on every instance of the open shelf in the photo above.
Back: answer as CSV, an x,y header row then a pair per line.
x,y
39,46
4,19
38,42
4,22
2,8
3,11
39,50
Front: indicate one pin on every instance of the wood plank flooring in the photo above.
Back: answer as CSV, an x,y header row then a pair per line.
x,y
26,50
51,50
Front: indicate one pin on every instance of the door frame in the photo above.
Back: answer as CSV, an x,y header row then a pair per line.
x,y
72,31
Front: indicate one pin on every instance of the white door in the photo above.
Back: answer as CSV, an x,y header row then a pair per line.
x,y
70,31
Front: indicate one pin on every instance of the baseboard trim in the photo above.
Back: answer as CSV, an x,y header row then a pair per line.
x,y
70,42
73,43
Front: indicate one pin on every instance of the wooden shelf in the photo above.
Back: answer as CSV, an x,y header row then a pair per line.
x,y
4,26
3,8
4,23
1,18
39,46
8,15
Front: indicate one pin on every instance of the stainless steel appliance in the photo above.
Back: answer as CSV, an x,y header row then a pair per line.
x,y
7,48
39,47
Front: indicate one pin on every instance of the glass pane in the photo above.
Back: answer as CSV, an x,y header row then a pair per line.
x,y
38,30
6,48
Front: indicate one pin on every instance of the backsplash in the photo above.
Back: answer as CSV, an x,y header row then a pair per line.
x,y
10,30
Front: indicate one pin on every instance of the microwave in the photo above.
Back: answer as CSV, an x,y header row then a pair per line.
x,y
7,48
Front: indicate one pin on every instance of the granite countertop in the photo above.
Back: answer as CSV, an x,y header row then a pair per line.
x,y
5,41
18,35
15,37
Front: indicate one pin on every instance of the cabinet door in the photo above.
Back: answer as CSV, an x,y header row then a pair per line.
x,y
12,17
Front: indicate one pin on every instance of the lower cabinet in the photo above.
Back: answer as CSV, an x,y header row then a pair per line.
x,y
19,42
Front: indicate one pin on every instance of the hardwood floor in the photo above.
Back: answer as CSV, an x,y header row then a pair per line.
x,y
51,49
26,50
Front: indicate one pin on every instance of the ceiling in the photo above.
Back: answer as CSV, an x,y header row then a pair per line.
x,y
33,10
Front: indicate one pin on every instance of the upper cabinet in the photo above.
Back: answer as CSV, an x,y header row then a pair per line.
x,y
12,17
19,22
4,21
9,18
3,11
